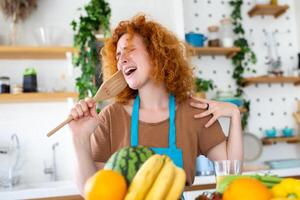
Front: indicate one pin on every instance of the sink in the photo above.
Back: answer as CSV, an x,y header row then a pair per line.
x,y
39,190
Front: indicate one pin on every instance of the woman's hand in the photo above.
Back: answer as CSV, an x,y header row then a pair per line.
x,y
85,118
215,108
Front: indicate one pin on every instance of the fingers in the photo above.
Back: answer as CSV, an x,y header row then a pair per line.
x,y
199,105
204,114
210,122
84,108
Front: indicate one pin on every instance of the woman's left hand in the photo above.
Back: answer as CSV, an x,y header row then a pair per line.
x,y
215,108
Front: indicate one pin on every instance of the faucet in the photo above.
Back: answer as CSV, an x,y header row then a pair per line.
x,y
53,169
16,138
12,178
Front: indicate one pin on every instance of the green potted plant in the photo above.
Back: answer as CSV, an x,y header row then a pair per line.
x,y
96,20
202,86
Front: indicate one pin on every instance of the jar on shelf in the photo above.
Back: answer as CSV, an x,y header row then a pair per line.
x,y
213,36
4,84
227,35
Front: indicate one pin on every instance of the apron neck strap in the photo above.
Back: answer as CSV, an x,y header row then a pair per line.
x,y
135,122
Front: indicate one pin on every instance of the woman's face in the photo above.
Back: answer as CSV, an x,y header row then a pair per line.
x,y
133,60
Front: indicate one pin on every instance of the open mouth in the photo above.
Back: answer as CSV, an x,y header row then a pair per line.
x,y
130,70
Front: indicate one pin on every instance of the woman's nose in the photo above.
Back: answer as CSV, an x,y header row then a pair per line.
x,y
122,60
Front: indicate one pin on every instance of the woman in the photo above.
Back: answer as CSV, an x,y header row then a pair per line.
x,y
156,109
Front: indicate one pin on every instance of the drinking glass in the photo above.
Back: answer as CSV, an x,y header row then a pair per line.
x,y
224,168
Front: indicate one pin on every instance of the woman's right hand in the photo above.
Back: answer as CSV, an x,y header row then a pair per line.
x,y
85,118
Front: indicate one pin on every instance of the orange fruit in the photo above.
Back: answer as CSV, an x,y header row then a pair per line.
x,y
105,185
247,189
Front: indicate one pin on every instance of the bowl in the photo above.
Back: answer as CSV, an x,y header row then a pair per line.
x,y
195,39
287,132
48,36
270,133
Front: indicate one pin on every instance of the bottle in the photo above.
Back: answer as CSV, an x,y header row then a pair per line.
x,y
213,36
227,33
4,84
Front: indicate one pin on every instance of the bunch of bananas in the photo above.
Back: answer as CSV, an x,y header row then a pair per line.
x,y
157,179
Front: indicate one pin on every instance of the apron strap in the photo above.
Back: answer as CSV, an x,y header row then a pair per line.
x,y
135,122
172,124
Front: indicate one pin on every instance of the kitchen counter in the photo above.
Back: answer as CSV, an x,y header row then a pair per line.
x,y
68,188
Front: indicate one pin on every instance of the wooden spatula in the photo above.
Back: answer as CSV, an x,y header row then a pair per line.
x,y
110,88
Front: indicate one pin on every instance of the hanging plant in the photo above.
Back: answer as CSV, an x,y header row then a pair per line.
x,y
243,58
96,20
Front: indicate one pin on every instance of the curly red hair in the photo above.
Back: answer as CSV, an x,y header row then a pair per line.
x,y
170,65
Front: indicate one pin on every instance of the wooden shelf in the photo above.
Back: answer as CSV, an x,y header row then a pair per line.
x,y
268,9
228,52
294,139
36,96
270,79
28,52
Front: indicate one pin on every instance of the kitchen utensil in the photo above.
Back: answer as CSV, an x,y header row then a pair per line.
x,y
287,132
224,168
195,39
297,117
270,133
48,36
110,88
204,167
252,147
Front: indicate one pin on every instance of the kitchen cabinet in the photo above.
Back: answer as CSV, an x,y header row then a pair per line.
x,y
270,79
228,52
268,9
31,52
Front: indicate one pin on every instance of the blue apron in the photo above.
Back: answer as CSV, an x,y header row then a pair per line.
x,y
174,153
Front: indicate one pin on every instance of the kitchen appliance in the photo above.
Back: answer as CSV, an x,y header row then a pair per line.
x,y
4,84
204,167
195,39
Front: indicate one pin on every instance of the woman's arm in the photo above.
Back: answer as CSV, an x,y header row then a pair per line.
x,y
84,124
232,149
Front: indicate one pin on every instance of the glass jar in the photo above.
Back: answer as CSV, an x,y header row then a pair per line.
x,y
227,33
213,36
4,84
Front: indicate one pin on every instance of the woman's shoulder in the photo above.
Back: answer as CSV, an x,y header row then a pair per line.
x,y
186,105
111,108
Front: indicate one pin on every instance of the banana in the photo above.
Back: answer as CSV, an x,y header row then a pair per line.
x,y
163,182
144,178
177,186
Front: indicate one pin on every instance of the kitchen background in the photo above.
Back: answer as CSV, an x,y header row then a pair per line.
x,y
272,105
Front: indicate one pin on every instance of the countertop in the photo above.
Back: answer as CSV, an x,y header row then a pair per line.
x,y
67,188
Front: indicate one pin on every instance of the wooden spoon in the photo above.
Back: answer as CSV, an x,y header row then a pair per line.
x,y
110,88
